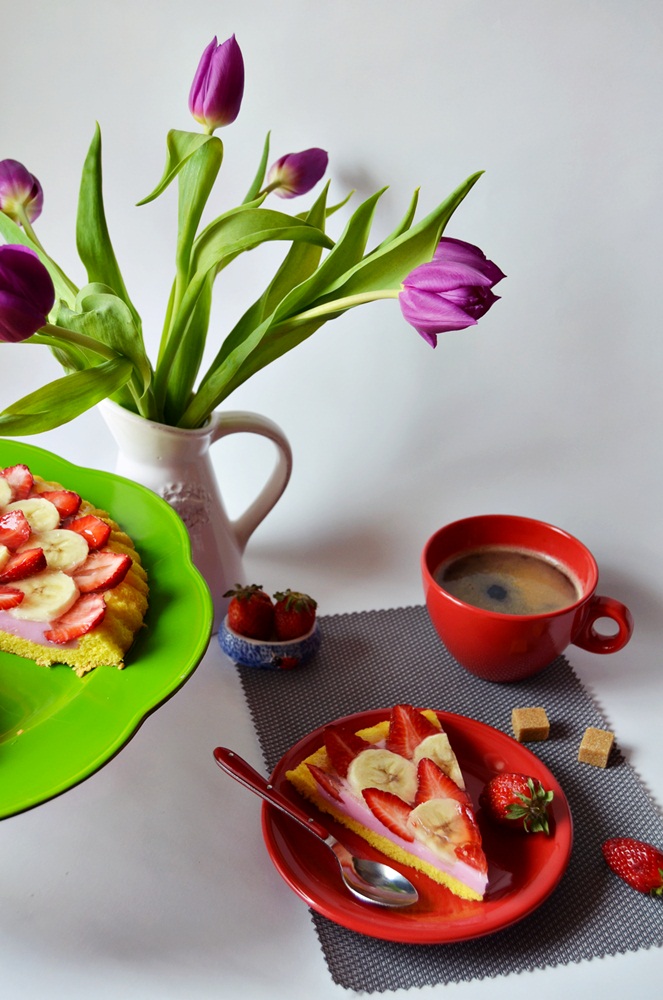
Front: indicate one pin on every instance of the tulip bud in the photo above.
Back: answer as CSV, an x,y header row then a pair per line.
x,y
296,173
19,189
451,292
218,86
26,293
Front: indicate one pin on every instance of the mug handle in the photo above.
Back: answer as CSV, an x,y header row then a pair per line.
x,y
604,607
241,422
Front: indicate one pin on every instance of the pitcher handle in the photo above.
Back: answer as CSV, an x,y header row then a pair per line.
x,y
241,422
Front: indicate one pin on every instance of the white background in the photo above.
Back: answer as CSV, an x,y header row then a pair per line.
x,y
128,886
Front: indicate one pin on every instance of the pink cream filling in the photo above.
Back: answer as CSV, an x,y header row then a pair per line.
x,y
32,631
360,812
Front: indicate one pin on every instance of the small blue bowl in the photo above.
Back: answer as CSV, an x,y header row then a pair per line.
x,y
268,655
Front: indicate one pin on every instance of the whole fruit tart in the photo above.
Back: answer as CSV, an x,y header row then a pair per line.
x,y
72,586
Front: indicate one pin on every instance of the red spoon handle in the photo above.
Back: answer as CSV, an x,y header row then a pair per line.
x,y
242,771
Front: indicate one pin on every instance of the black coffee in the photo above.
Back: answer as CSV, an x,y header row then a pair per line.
x,y
510,581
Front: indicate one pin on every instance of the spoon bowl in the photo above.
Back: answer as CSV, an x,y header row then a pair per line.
x,y
370,881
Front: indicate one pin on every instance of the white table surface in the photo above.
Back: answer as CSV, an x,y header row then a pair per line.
x,y
150,880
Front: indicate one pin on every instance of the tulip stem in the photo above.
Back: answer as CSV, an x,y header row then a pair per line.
x,y
53,336
327,309
29,231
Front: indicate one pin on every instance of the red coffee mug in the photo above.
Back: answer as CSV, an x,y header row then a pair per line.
x,y
510,647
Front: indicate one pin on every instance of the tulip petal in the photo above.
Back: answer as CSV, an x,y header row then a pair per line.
x,y
431,314
218,85
26,293
297,173
18,187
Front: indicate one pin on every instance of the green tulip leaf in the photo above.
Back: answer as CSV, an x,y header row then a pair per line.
x,y
92,237
246,228
13,233
60,401
387,266
107,319
179,147
256,184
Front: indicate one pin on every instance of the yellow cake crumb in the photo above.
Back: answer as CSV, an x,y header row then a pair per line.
x,y
530,724
595,747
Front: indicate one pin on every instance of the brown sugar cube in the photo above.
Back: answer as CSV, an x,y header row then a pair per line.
x,y
595,747
530,724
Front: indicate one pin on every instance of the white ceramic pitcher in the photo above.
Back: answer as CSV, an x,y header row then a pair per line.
x,y
175,463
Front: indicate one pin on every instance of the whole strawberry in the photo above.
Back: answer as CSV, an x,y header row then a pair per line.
x,y
250,612
294,614
518,801
638,863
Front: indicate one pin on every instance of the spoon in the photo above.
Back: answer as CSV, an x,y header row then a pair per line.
x,y
369,881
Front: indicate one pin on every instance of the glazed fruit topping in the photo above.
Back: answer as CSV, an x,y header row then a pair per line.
x,y
66,501
342,746
10,597
84,615
20,481
14,529
329,782
23,564
391,810
95,531
102,571
407,729
433,783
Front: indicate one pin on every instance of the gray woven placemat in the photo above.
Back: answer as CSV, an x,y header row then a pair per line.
x,y
374,659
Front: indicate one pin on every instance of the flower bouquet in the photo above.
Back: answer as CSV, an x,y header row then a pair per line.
x,y
95,331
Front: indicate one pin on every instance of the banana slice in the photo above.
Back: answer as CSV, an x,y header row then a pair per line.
x,y
47,596
441,824
378,768
4,555
42,515
64,549
438,748
5,492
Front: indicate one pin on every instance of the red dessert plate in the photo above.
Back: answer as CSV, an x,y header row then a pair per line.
x,y
523,869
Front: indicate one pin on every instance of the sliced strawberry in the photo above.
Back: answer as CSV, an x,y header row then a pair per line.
x,y
343,745
20,479
407,728
14,529
87,612
433,783
102,571
10,597
472,855
23,564
391,810
66,501
329,782
95,531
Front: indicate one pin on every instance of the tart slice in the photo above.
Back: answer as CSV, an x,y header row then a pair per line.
x,y
398,785
72,586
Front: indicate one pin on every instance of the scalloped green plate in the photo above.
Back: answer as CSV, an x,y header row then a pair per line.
x,y
57,729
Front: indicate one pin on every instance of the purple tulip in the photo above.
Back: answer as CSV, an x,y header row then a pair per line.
x,y
451,292
297,173
19,188
218,86
26,293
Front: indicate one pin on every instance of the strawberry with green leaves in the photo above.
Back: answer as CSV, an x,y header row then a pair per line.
x,y
250,612
638,863
294,615
517,801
